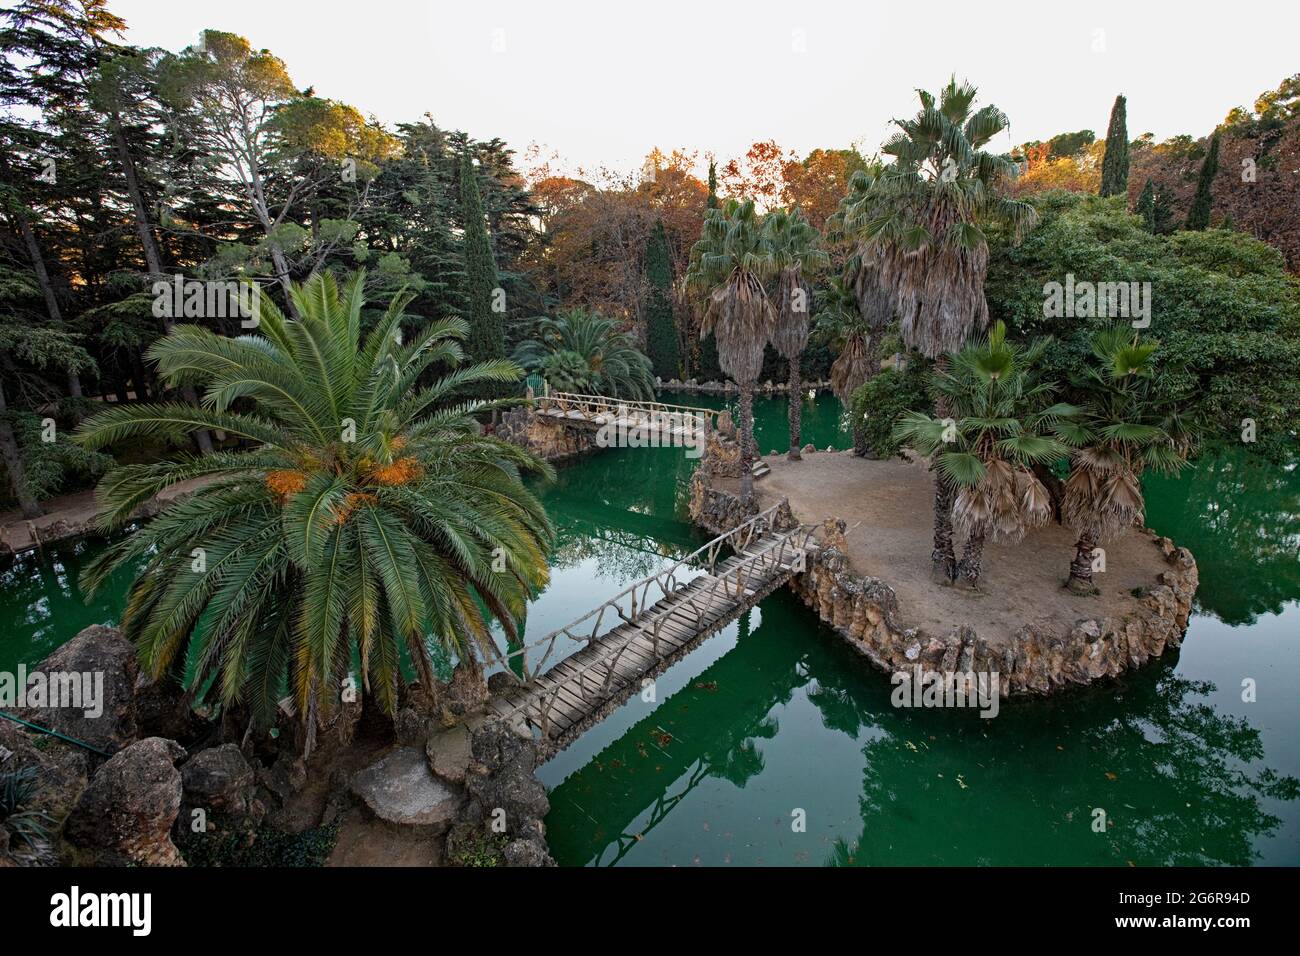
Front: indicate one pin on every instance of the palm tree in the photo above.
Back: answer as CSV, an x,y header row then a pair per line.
x,y
858,336
580,351
369,514
1002,425
798,253
921,229
729,264
841,325
1129,425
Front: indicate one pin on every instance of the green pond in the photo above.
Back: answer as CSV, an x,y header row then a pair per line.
x,y
773,744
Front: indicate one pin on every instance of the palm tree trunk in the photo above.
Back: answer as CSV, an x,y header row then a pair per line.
x,y
972,556
860,447
796,411
1080,579
943,561
746,443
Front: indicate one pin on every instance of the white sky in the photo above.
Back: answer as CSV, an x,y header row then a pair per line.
x,y
603,83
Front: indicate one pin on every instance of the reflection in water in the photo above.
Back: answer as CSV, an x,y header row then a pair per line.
x,y
1240,517
774,715
792,719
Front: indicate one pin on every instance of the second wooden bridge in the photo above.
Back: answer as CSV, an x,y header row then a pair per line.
x,y
650,625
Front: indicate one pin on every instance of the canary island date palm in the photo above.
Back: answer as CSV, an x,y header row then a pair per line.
x,y
796,246
730,265
369,516
583,351
923,218
1002,421
1129,425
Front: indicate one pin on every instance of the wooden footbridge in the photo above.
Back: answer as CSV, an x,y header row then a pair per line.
x,y
658,422
646,627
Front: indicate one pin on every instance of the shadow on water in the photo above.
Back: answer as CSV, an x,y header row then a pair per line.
x,y
788,720
775,716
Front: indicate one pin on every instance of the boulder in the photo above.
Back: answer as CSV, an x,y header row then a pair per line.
x,y
400,788
162,709
507,760
103,653
468,689
221,782
125,815
527,853
449,754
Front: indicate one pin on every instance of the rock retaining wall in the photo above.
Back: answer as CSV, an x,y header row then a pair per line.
x,y
864,611
546,438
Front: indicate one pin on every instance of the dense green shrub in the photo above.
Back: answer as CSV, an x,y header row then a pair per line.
x,y
1223,308
270,847
882,401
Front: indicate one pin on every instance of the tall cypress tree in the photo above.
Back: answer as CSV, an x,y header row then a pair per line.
x,y
1114,166
1198,217
661,328
710,370
486,329
713,185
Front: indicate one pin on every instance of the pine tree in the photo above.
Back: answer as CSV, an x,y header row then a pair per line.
x,y
1198,217
661,326
1114,166
486,329
1146,206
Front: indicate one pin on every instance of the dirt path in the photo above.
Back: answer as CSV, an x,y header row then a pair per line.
x,y
888,506
68,516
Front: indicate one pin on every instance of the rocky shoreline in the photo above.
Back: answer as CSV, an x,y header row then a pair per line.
x,y
160,783
864,610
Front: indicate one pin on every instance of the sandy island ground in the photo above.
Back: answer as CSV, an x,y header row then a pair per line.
x,y
888,506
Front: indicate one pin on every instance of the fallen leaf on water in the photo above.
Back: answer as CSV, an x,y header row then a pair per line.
x,y
1111,776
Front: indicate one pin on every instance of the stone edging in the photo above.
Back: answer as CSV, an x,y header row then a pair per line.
x,y
864,611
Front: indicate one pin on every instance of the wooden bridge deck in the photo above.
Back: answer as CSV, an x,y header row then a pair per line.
x,y
581,689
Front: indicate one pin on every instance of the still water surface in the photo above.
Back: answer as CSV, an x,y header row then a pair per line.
x,y
773,716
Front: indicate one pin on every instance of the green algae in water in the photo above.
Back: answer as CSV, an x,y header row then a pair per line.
x,y
775,715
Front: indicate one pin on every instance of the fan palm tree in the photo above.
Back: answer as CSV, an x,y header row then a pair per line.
x,y
729,265
923,220
1128,426
796,247
1002,424
583,351
370,514
841,325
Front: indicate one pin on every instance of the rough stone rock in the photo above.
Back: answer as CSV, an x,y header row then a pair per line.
x,y
95,650
527,853
864,611
508,760
285,777
468,690
449,754
221,782
162,709
125,815
544,437
400,788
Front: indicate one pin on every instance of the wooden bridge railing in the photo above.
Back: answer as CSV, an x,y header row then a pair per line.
x,y
600,409
640,595
728,587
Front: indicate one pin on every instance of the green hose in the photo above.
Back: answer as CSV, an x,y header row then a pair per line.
x,y
55,733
